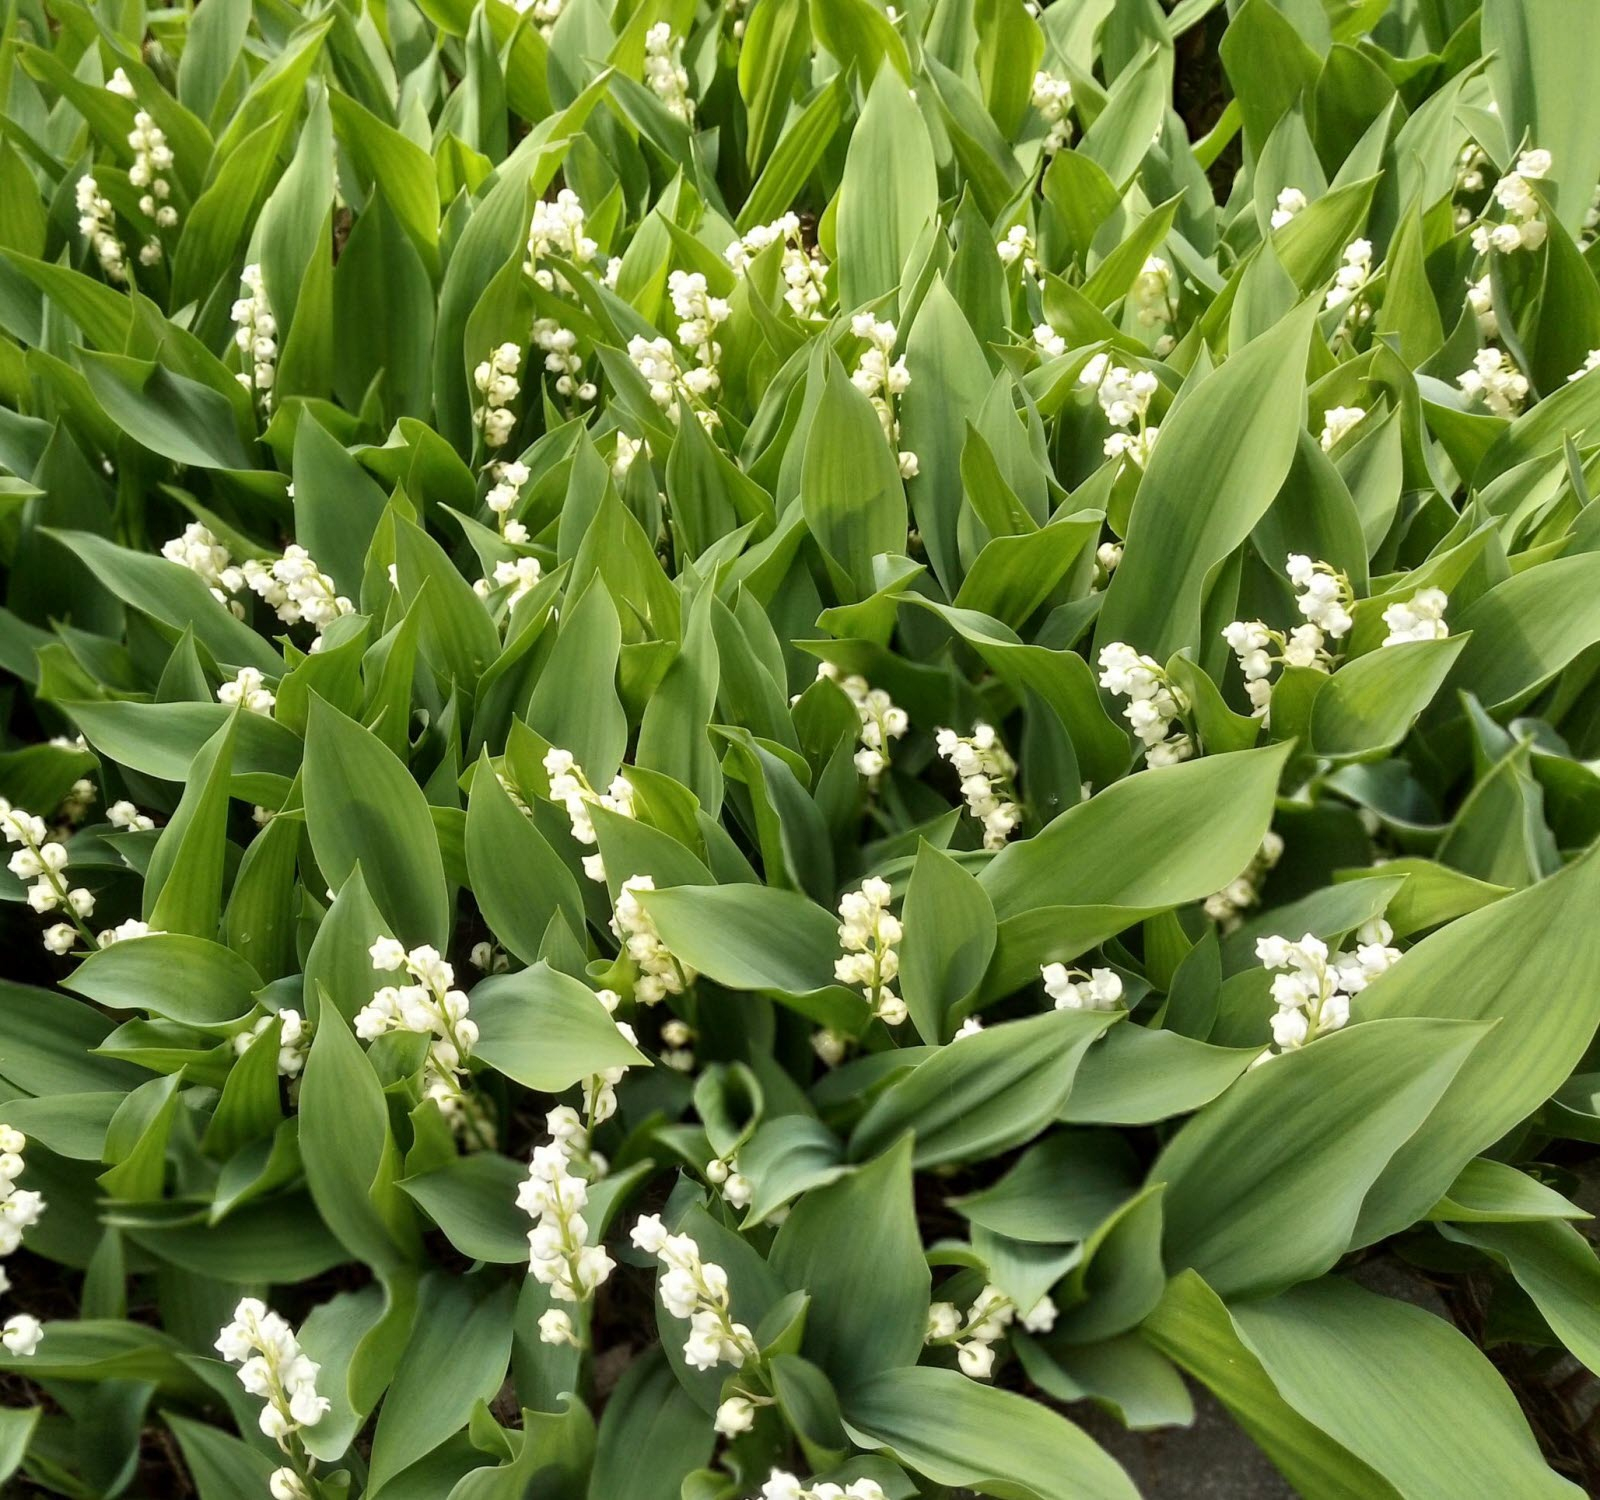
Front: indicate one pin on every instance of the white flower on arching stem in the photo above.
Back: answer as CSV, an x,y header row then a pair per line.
x,y
124,931
880,377
294,1040
255,335
868,933
987,774
1108,557
248,690
659,973
518,574
1350,281
1224,906
1522,228
271,1366
1124,395
1591,361
1052,97
202,554
1338,422
697,1290
1017,246
1155,705
781,1485
1075,989
1325,597
19,1210
558,228
152,160
559,1253
801,266
97,223
285,1484
571,788
1469,168
737,1414
1152,292
561,358
970,1027
881,722
1048,342
627,450
1495,381
498,386
1480,298
1291,201
1420,618
1313,994
296,589
44,861
545,13
700,315
429,1006
829,1046
975,1334
664,72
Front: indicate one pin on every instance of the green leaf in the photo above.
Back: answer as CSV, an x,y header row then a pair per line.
x,y
184,978
950,935
183,881
362,807
1137,1076
1255,1208
1370,704
853,1246
986,1093
546,1030
956,1432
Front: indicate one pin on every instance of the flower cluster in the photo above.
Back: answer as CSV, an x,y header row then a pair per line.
x,y
248,691
695,1289
496,380
1469,168
1291,201
1156,704
600,1089
1350,284
1523,228
545,13
1338,422
294,1040
518,574
804,271
297,589
97,223
570,787
1313,994
1152,293
1048,342
723,1174
128,818
201,553
700,315
664,72
1018,245
986,770
558,228
657,361
1324,598
880,377
559,1253
1073,989
868,932
782,1485
255,334
1480,298
1242,892
1495,381
677,1051
44,861
272,1366
1419,618
880,720
561,358
660,974
152,160
1052,97
19,1209
975,1335
123,931
504,492
1124,396
430,1006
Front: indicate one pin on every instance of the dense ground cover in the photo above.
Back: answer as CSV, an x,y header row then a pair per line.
x,y
748,744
